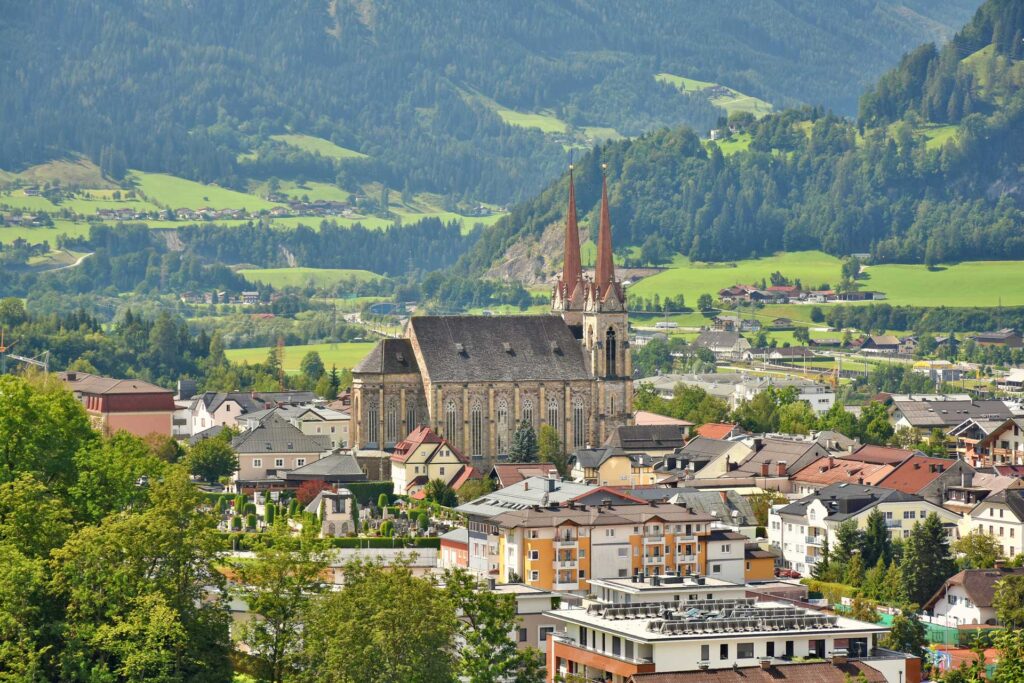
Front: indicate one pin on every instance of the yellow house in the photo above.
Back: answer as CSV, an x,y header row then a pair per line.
x,y
562,548
423,456
613,467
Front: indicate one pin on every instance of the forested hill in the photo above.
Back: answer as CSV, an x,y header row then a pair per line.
x,y
423,88
930,173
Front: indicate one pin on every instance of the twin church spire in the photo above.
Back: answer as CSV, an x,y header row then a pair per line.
x,y
572,287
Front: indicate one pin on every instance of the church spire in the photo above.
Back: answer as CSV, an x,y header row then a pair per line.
x,y
572,270
605,271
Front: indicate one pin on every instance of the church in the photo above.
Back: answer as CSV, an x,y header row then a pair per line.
x,y
473,379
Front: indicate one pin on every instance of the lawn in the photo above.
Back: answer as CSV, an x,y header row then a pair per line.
x,y
974,283
343,355
316,145
40,235
17,199
173,192
300,277
733,144
544,121
70,172
734,101
937,136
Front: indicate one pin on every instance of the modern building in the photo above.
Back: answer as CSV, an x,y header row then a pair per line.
x,y
924,416
533,626
129,405
616,641
801,529
1003,445
455,549
472,379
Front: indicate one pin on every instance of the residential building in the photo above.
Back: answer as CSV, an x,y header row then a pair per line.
x,y
719,430
1001,516
759,563
472,379
725,345
646,588
562,548
924,416
801,529
656,440
1003,445
732,322
726,556
455,549
129,405
969,432
966,598
613,642
610,466
831,470
643,417
274,446
880,343
1008,337
710,458
224,409
533,627
334,468
915,473
834,671
422,563
422,456
735,388
508,473
772,456
310,419
1012,382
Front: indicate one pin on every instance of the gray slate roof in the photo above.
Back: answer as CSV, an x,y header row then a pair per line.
x,y
846,500
716,339
277,435
390,357
337,467
503,348
1011,498
950,413
648,437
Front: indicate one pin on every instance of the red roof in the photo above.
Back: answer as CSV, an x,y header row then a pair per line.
x,y
784,288
464,475
916,472
715,430
879,455
836,470
514,472
419,436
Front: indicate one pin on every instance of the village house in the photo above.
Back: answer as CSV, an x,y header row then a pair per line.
x,y
923,416
966,598
1001,516
725,345
224,409
274,446
129,405
1003,445
506,474
1008,337
423,456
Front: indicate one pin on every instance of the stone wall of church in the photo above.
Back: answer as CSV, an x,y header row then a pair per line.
x,y
385,408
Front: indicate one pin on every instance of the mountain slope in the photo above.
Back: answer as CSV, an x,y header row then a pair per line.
x,y
930,173
192,88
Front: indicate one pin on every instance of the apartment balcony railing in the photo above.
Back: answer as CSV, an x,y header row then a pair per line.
x,y
893,523
654,559
571,642
686,559
566,542
815,540
566,564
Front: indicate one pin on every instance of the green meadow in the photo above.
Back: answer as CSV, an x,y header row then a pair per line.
x,y
300,277
174,192
315,145
344,355
732,102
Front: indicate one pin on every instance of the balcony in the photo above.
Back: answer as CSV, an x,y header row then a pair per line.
x,y
653,538
686,559
893,523
566,542
815,540
642,664
686,539
566,564
654,559
573,586
810,559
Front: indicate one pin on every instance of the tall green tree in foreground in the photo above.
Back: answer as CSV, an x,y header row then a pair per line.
x,y
1008,601
927,562
550,450
977,550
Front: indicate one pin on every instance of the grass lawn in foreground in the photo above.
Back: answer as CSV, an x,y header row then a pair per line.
x,y
300,277
315,145
173,192
344,355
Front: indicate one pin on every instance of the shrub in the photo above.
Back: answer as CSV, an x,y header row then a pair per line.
x,y
250,520
250,508
293,507
271,513
833,592
382,501
387,528
236,523
367,492
424,521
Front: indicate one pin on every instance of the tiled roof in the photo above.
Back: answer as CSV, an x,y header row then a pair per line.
x,y
277,435
817,672
796,454
647,437
716,430
423,434
835,470
389,357
514,472
949,413
879,455
914,473
979,584
846,500
498,348
94,384
716,339
643,417
335,467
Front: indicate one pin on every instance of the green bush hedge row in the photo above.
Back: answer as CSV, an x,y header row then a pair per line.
x,y
241,541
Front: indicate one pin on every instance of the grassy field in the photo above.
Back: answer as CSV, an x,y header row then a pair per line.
x,y
974,283
342,355
736,143
316,145
937,136
544,121
300,277
40,235
70,172
17,199
734,101
174,192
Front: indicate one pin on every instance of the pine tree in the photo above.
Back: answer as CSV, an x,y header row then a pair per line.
x,y
927,562
894,589
874,581
854,575
877,545
524,444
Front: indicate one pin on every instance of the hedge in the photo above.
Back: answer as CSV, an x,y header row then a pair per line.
x,y
833,592
244,541
367,492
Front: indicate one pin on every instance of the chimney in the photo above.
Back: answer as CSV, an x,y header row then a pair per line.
x,y
550,483
526,485
780,470
766,664
839,658
765,466
671,463
724,496
71,376
831,462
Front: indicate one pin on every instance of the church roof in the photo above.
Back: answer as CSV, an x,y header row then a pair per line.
x,y
389,357
506,348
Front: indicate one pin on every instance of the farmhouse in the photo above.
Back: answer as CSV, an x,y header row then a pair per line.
x,y
1008,337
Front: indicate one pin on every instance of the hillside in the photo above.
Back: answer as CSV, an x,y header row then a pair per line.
x,y
929,174
460,98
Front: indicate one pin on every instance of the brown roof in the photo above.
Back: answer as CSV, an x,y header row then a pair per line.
x,y
835,470
597,516
715,430
818,672
86,383
914,473
514,472
979,584
879,455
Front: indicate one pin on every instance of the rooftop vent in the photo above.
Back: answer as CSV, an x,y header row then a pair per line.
x,y
400,357
507,346
459,348
554,347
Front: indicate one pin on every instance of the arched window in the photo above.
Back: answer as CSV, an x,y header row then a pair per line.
x,y
391,421
476,429
553,414
451,421
528,410
372,422
610,369
502,416
579,423
410,415
611,405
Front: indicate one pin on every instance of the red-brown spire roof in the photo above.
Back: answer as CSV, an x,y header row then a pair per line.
x,y
605,271
572,268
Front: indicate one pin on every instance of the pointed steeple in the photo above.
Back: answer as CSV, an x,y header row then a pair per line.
x,y
604,274
572,269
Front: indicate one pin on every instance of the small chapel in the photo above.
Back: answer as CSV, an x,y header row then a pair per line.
x,y
474,379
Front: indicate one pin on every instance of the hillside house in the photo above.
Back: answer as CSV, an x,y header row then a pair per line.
x,y
966,598
1008,337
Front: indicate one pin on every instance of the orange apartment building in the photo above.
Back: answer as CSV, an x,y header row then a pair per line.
x,y
129,405
563,548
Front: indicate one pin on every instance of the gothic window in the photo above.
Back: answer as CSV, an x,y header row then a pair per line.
x,y
410,414
372,422
502,415
609,353
476,429
611,405
579,422
451,421
528,410
553,414
391,421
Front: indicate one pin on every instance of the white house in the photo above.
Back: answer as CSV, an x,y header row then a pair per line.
x,y
966,598
1001,516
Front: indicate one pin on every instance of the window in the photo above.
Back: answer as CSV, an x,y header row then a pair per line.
x,y
257,462
579,423
410,415
723,651
442,471
583,574
534,554
909,514
705,653
769,649
716,569
534,575
372,418
527,410
476,429
553,414
278,462
451,417
391,421
748,566
416,469
583,553
299,462
610,352
523,635
544,631
611,405
609,532
623,552
726,547
744,651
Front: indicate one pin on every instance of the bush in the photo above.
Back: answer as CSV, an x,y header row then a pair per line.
x,y
236,523
250,508
367,492
243,541
271,513
761,532
293,507
391,510
250,520
387,528
424,521
833,592
382,501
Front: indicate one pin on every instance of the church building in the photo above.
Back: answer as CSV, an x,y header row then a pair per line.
x,y
473,379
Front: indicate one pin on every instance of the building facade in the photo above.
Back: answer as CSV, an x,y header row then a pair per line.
x,y
474,379
129,405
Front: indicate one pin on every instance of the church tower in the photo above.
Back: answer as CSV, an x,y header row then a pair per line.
x,y
606,331
569,292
